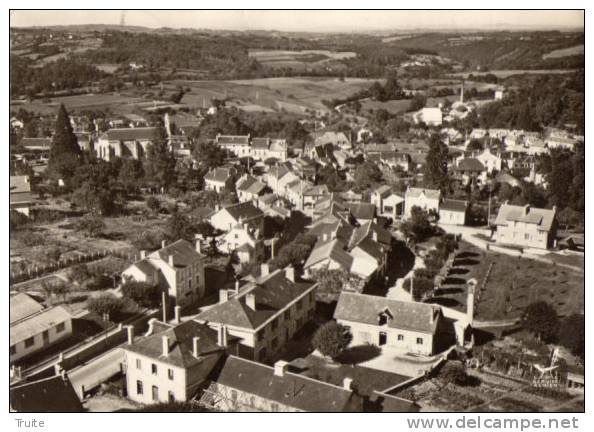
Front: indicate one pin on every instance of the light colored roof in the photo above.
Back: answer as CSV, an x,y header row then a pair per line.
x,y
233,139
36,324
417,192
543,218
333,250
183,252
220,175
22,306
363,308
453,205
19,184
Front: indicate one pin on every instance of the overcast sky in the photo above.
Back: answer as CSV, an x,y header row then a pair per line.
x,y
309,20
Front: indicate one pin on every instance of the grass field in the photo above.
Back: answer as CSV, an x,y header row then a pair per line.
x,y
298,59
508,73
115,102
575,50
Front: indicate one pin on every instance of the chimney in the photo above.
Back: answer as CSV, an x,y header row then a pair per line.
x,y
236,286
245,226
165,344
223,295
163,243
130,333
63,374
264,270
432,319
374,236
347,383
225,335
170,260
250,301
471,284
280,368
142,254
222,336
195,346
290,273
324,237
527,209
217,207
198,246
177,314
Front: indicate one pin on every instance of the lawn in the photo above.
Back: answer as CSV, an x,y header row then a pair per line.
x,y
113,101
513,284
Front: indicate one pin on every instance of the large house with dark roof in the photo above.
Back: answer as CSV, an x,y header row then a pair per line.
x,y
408,326
171,362
247,386
238,214
264,313
526,226
46,395
177,267
249,188
218,179
125,143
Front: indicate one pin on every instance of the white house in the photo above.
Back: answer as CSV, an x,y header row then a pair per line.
x,y
453,212
239,145
249,188
429,116
490,161
125,143
247,243
238,214
177,267
526,226
427,199
218,179
387,202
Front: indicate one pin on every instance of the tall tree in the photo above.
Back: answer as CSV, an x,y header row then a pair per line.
x,y
436,164
65,153
159,166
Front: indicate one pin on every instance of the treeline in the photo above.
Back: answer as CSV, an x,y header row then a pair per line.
x,y
544,100
63,74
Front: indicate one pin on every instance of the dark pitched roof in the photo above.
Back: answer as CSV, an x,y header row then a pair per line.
x,y
383,402
245,210
130,134
272,292
36,142
233,139
365,308
291,389
54,394
544,218
181,343
453,205
260,143
220,175
184,253
470,164
361,210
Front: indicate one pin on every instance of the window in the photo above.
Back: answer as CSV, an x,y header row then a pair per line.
x,y
383,319
274,343
419,341
30,342
170,374
312,296
275,324
287,314
400,337
154,369
261,335
139,389
155,393
12,349
138,364
171,396
299,305
60,327
526,236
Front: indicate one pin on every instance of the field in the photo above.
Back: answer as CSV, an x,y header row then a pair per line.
x,y
115,102
513,284
298,59
575,50
508,73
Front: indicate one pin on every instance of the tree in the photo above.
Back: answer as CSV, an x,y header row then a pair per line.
x,y
417,102
131,174
180,227
153,204
142,293
436,165
79,273
367,175
417,226
105,303
64,153
474,145
572,335
208,154
92,224
453,372
421,285
332,282
541,319
331,339
159,165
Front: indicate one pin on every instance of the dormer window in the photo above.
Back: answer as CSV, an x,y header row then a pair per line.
x,y
384,317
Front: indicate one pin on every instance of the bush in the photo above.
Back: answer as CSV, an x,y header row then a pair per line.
x,y
331,339
453,372
142,293
541,319
105,304
79,273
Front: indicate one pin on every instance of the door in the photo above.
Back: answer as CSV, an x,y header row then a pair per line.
x,y
383,338
46,337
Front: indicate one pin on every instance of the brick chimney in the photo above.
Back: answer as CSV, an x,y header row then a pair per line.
x,y
130,333
177,314
223,295
196,346
280,368
250,301
347,383
165,345
264,270
290,273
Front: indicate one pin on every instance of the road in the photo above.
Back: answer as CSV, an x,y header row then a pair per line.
x,y
97,371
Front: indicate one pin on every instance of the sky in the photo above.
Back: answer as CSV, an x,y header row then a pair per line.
x,y
312,21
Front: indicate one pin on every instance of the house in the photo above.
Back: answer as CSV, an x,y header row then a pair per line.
x,y
387,202
247,243
249,188
171,361
338,139
412,327
35,329
125,143
264,313
177,267
267,148
218,180
526,226
45,395
136,121
275,178
453,212
471,170
238,214
239,145
490,161
362,212
246,386
429,116
36,144
21,199
427,199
